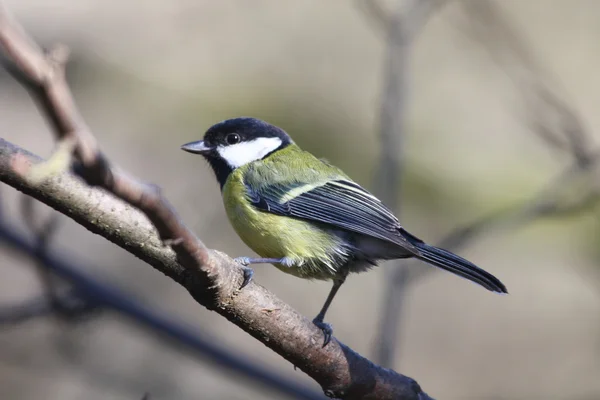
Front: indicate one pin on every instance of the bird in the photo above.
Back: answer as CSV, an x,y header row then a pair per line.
x,y
306,216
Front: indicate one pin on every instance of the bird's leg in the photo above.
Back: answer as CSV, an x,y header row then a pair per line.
x,y
318,321
245,261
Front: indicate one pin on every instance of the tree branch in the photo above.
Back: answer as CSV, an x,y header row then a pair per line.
x,y
340,371
211,277
67,305
401,28
548,114
89,294
417,11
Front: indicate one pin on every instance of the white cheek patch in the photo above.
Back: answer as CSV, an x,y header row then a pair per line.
x,y
245,152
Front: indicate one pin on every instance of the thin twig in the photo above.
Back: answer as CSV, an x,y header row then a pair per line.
x,y
552,118
70,304
375,13
401,30
548,201
46,81
43,233
383,21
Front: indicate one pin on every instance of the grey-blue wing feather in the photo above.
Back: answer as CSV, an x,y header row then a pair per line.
x,y
342,204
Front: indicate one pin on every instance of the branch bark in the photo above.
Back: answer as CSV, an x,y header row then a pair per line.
x,y
89,296
138,218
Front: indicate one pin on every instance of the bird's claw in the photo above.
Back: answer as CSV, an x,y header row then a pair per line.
x,y
248,274
326,328
245,261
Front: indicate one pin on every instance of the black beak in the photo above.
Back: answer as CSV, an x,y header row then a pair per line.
x,y
197,147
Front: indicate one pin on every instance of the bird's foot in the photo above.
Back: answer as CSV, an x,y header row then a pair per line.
x,y
248,274
326,328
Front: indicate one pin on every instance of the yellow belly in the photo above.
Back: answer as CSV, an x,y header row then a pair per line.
x,y
307,246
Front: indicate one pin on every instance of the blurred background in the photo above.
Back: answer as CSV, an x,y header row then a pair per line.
x,y
500,121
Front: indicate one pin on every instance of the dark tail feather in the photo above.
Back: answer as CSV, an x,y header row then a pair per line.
x,y
457,265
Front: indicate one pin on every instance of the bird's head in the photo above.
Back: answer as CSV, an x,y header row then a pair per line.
x,y
236,142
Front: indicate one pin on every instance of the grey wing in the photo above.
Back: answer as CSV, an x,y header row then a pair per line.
x,y
341,203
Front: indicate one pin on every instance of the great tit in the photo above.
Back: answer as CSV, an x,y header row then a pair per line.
x,y
307,217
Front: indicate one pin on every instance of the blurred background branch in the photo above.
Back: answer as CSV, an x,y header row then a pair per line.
x,y
401,27
576,189
546,110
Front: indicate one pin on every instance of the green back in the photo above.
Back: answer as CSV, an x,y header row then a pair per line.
x,y
289,172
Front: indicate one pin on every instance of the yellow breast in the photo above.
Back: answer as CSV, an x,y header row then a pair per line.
x,y
306,245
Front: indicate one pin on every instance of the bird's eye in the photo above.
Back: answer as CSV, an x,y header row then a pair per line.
x,y
232,138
